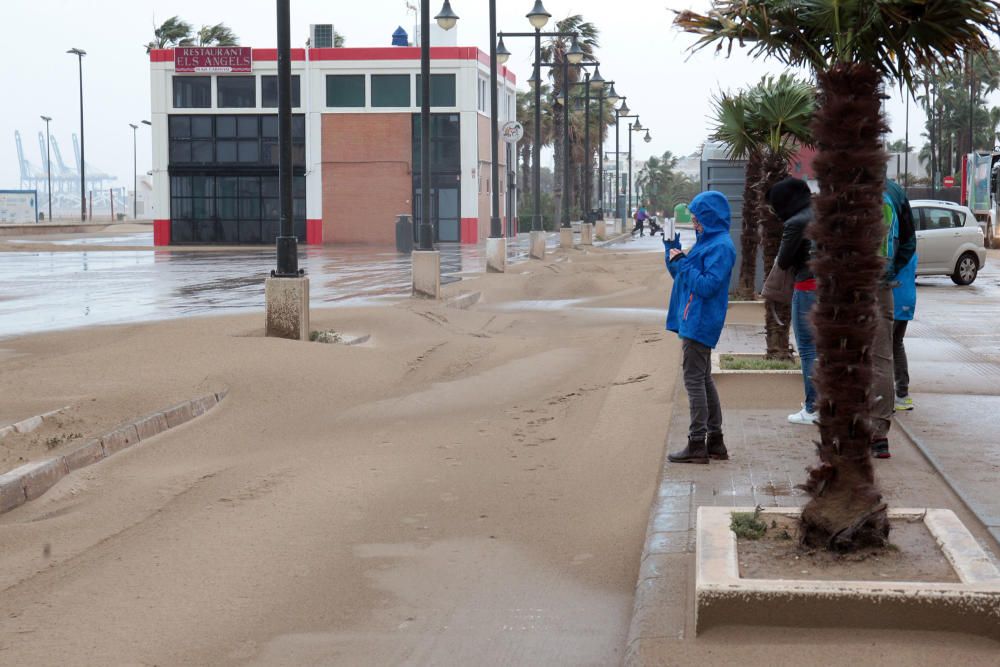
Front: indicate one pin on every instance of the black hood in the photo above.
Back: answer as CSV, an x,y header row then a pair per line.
x,y
789,196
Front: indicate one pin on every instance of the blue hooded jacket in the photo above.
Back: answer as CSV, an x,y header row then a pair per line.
x,y
700,296
904,295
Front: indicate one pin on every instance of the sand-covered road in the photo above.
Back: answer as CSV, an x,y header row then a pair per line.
x,y
471,487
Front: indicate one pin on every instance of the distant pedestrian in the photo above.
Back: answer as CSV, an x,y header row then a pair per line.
x,y
640,221
904,297
898,248
791,199
654,228
698,303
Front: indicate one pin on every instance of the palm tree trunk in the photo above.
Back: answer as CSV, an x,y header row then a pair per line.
x,y
846,510
748,238
525,169
777,317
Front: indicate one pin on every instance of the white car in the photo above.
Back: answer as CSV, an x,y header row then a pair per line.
x,y
950,241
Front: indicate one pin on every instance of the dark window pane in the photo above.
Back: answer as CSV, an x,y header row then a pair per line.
x,y
202,186
180,186
181,231
269,91
271,209
442,90
247,126
204,231
298,153
299,186
225,126
228,208
201,127
269,186
180,208
202,208
229,231
225,151
249,186
268,126
180,127
237,91
201,151
250,209
390,90
269,231
269,152
250,231
345,90
180,151
299,127
192,92
298,208
227,186
248,151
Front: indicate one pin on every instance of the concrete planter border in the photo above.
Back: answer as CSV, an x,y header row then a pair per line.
x,y
745,312
722,597
31,480
717,368
30,424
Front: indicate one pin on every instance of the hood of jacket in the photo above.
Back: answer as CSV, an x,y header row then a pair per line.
x,y
789,196
712,210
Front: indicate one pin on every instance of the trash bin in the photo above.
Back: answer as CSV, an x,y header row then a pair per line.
x,y
404,233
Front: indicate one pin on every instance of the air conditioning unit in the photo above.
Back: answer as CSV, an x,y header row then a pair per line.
x,y
321,35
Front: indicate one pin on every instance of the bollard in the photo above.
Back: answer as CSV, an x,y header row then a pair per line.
x,y
404,234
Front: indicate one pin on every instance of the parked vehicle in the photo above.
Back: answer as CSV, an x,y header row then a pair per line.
x,y
981,191
950,241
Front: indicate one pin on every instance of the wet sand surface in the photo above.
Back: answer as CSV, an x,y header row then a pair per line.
x,y
472,487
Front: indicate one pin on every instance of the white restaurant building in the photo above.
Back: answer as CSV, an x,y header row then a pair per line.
x,y
356,135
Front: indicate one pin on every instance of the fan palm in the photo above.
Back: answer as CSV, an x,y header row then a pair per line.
x,y
525,108
743,142
554,51
172,32
780,113
219,34
852,45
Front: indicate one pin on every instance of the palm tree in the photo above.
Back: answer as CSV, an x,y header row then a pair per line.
x,y
526,116
852,47
743,142
781,112
172,32
554,51
219,34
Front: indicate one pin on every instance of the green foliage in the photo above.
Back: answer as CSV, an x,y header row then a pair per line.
x,y
219,34
895,37
176,32
664,187
526,209
733,127
747,525
773,116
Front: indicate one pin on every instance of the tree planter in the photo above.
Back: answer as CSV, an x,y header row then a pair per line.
x,y
769,388
745,312
723,597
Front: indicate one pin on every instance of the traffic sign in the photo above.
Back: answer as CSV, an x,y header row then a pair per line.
x,y
512,131
949,181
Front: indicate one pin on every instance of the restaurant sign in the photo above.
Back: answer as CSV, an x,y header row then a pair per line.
x,y
213,59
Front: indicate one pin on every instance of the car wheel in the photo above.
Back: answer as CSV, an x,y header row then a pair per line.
x,y
966,270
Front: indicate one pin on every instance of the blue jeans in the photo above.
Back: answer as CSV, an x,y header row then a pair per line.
x,y
803,302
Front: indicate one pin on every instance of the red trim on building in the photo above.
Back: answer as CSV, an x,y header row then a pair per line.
x,y
161,56
314,231
161,232
469,230
265,55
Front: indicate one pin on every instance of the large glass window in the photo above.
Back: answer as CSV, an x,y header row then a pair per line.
x,y
248,139
345,90
390,90
237,92
442,90
269,91
192,92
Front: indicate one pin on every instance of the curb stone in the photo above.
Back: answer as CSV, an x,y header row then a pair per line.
x,y
33,479
30,424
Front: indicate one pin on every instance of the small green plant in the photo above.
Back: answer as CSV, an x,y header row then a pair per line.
x,y
56,440
328,336
747,525
729,362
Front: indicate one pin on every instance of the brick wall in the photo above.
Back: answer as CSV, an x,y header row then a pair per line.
x,y
367,176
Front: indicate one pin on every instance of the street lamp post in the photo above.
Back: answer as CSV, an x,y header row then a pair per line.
x,y
135,172
622,112
80,53
48,162
632,127
612,97
496,252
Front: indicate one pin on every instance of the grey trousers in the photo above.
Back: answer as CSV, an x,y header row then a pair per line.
x,y
883,381
706,411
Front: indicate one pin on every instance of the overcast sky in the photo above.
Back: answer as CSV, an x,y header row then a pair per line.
x,y
639,50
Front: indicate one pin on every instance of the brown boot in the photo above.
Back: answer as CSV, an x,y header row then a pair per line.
x,y
717,447
695,452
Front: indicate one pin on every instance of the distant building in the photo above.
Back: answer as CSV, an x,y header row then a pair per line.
x,y
356,135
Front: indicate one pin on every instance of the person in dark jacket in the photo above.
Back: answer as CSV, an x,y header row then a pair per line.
x,y
898,248
791,199
698,304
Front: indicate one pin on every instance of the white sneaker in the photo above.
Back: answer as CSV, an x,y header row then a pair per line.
x,y
804,417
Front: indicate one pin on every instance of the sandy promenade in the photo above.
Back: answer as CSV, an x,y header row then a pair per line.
x,y
472,487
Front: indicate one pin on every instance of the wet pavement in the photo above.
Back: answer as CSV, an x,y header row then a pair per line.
x,y
46,291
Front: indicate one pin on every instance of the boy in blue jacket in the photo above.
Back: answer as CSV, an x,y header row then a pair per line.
x,y
698,304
